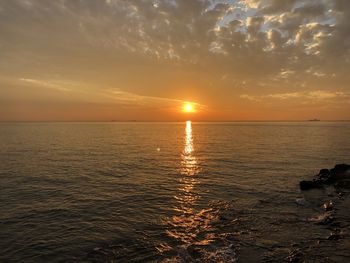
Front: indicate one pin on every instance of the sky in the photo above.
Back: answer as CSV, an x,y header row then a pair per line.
x,y
103,60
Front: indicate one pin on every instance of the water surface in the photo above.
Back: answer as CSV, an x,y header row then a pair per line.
x,y
178,192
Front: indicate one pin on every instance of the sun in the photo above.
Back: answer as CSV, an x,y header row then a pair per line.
x,y
188,107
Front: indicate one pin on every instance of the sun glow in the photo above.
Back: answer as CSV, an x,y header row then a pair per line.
x,y
188,107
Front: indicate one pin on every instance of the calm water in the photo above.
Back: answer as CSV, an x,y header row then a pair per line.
x,y
171,192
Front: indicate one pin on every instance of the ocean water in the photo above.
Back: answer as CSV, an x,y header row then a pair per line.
x,y
170,192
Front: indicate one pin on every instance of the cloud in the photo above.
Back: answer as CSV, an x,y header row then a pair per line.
x,y
316,95
179,48
236,29
92,93
45,84
250,97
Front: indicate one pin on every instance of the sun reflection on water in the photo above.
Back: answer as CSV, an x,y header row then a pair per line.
x,y
189,164
190,225
188,139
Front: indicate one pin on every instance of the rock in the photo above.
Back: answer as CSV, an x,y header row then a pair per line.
x,y
339,175
328,206
306,185
322,219
340,169
324,173
343,184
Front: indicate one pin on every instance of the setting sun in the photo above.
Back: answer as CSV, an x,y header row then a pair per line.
x,y
188,107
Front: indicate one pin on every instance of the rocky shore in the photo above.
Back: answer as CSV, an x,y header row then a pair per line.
x,y
339,176
333,187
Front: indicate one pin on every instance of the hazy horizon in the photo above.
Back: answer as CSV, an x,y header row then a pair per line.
x,y
172,121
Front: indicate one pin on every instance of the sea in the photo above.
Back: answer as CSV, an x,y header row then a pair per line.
x,y
171,192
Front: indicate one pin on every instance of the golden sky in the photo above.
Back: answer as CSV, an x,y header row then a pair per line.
x,y
101,60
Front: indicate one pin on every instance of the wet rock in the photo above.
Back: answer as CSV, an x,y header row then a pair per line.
x,y
306,185
324,173
328,206
322,219
340,171
339,176
343,184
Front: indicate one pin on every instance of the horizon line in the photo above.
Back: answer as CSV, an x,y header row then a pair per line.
x,y
139,121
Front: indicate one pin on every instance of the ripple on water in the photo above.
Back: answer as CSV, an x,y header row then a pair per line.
x,y
170,192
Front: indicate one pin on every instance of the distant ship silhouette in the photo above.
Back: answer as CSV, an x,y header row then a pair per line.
x,y
315,120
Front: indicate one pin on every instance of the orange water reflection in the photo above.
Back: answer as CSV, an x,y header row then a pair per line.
x,y
189,225
189,166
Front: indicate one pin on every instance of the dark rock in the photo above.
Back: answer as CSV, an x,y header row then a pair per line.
x,y
343,184
322,219
339,175
306,185
328,206
340,168
324,173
